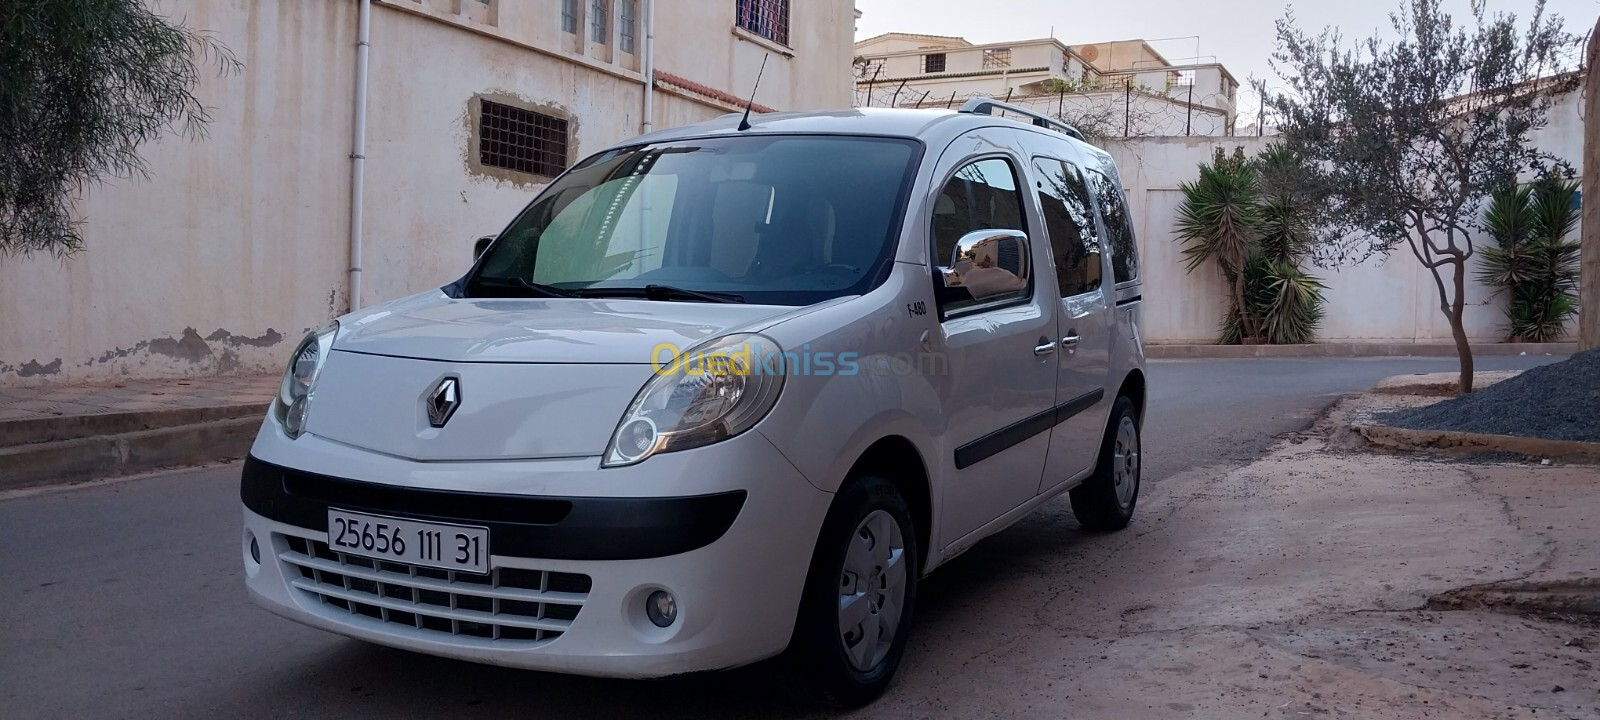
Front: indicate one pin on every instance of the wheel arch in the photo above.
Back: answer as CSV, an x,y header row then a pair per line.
x,y
1133,388
897,458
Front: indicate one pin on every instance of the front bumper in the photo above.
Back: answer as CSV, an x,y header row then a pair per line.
x,y
571,572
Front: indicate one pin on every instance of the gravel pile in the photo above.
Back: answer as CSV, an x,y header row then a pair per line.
x,y
1556,402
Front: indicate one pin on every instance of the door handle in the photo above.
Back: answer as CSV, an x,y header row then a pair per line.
x,y
1071,340
1044,348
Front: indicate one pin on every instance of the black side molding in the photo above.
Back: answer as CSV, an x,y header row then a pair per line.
x,y
1129,301
1001,440
548,528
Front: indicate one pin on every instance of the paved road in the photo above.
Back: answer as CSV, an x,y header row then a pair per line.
x,y
125,599
1206,412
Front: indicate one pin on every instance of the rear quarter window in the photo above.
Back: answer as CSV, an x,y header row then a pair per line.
x,y
1113,209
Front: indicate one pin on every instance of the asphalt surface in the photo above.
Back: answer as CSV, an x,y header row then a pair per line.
x,y
126,599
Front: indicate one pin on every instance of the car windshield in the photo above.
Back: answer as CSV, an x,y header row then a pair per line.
x,y
780,220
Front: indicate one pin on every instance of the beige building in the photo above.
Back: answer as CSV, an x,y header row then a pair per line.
x,y
1115,89
239,243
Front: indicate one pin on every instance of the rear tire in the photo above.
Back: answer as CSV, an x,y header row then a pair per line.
x,y
857,606
1106,501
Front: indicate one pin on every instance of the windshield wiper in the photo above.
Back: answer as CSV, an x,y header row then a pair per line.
x,y
669,292
661,293
538,289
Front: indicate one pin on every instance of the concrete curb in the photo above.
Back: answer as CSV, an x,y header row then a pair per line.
x,y
1446,384
91,458
1177,352
1403,439
71,427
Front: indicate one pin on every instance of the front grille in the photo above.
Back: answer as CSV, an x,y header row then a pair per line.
x,y
509,604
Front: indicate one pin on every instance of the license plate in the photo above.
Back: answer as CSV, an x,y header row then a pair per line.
x,y
436,545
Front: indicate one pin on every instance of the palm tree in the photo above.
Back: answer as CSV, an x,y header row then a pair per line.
x,y
1532,257
1220,220
1296,308
1286,233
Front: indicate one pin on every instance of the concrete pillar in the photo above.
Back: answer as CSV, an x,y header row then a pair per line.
x,y
1589,291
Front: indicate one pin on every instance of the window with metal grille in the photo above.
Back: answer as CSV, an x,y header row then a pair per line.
x,y
933,63
627,10
1183,78
521,140
767,18
997,58
569,16
597,22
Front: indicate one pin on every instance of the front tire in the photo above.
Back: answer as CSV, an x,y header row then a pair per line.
x,y
1106,501
858,601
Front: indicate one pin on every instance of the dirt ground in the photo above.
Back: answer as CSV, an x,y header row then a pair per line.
x,y
1296,586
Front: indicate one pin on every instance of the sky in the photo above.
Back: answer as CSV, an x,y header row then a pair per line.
x,y
1239,33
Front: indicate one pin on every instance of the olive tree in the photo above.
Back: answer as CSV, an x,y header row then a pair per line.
x,y
84,83
1406,134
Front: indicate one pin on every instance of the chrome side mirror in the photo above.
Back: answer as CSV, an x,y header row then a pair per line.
x,y
989,263
481,246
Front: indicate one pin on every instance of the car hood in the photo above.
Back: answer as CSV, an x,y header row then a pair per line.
x,y
434,326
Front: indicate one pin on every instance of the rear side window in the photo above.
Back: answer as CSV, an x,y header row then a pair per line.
x,y
1114,211
1069,219
984,195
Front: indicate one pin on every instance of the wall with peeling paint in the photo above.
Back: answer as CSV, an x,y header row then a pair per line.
x,y
231,249
238,244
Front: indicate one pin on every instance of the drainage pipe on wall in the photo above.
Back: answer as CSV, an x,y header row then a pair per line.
x,y
358,157
649,65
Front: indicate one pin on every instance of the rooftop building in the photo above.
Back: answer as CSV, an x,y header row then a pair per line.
x,y
1119,88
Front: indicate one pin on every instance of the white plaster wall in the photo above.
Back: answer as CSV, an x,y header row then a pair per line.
x,y
237,238
423,208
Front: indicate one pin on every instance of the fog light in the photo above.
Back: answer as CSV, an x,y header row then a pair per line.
x,y
661,608
255,551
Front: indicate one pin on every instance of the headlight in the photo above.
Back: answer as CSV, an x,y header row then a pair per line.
x,y
704,395
294,393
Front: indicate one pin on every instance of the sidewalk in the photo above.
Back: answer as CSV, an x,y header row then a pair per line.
x,y
72,433
135,395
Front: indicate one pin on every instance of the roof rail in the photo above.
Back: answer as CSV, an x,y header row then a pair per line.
x,y
987,106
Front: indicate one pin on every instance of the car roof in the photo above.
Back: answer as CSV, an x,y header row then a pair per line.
x,y
927,125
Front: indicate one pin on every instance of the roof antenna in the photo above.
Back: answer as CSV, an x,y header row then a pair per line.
x,y
745,123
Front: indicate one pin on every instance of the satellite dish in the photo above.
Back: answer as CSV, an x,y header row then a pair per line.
x,y
1089,53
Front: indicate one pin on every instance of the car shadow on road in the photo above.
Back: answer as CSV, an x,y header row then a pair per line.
x,y
352,678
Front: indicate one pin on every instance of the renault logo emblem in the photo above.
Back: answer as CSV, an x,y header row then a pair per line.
x,y
443,401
